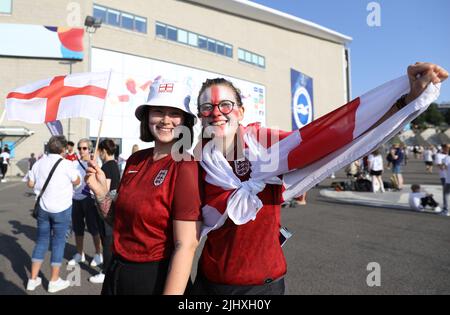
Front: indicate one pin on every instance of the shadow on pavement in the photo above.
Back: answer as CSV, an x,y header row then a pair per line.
x,y
9,288
18,257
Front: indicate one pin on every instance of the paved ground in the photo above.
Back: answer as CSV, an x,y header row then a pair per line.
x,y
332,245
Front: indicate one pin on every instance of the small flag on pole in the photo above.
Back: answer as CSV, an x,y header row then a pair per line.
x,y
75,95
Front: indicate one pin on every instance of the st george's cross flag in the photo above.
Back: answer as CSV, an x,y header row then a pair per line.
x,y
75,95
300,159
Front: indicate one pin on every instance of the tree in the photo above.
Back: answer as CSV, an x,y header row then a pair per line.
x,y
432,116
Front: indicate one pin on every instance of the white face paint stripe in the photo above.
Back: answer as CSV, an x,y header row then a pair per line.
x,y
216,93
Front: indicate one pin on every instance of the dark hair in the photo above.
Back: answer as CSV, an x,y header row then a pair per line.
x,y
70,143
220,81
415,187
146,135
57,144
108,145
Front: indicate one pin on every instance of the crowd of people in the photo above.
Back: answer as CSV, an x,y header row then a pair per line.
x,y
150,221
68,205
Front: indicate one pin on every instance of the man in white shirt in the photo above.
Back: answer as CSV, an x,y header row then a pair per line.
x,y
4,160
54,213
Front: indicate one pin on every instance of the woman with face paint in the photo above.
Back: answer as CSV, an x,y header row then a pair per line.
x,y
156,213
243,253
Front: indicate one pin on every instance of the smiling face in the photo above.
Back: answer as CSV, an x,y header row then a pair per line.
x,y
225,123
162,122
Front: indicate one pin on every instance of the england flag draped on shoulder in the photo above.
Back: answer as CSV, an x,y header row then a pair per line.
x,y
75,95
300,159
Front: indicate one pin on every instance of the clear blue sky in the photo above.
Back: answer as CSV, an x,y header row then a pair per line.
x,y
410,31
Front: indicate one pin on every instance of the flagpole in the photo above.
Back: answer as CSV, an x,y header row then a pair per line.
x,y
3,116
101,121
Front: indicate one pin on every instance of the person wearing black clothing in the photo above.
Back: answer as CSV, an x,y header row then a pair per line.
x,y
106,150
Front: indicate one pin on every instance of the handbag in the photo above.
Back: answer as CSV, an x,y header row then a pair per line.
x,y
35,212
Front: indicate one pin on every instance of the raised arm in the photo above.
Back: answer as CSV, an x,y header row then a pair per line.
x,y
98,183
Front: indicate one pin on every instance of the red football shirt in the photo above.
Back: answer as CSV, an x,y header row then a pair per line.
x,y
248,254
151,195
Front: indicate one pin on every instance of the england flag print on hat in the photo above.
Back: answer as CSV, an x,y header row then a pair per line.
x,y
168,93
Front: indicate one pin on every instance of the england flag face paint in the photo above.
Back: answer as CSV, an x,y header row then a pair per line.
x,y
221,125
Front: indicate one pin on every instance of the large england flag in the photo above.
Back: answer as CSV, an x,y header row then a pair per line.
x,y
75,95
300,159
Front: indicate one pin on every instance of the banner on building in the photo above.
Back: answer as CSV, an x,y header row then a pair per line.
x,y
39,41
129,87
302,99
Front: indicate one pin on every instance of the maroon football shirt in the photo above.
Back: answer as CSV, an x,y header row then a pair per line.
x,y
151,195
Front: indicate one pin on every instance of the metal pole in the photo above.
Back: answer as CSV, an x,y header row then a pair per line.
x,y
68,127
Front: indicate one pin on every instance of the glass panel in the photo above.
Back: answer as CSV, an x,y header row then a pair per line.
x,y
161,30
172,33
212,45
248,56
182,36
127,21
261,61
229,51
113,17
140,24
193,39
241,54
202,42
100,12
220,48
255,59
6,6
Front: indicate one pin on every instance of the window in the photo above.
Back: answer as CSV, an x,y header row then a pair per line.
x,y
261,62
120,19
140,24
241,54
220,48
212,45
6,6
127,21
188,38
248,57
202,42
113,17
252,58
100,13
229,51
172,33
193,39
161,30
182,36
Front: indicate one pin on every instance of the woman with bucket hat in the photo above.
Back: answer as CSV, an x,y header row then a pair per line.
x,y
156,212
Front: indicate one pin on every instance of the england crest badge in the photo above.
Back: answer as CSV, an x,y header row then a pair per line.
x,y
159,179
242,167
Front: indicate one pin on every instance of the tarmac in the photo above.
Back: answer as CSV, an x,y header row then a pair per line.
x,y
336,238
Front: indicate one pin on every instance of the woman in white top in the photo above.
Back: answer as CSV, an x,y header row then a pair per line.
x,y
428,158
55,211
376,171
